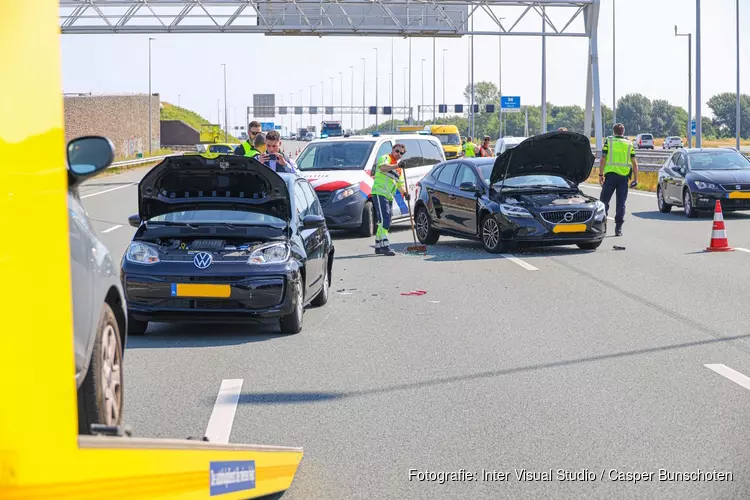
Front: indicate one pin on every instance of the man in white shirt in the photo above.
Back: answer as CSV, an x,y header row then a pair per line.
x,y
273,157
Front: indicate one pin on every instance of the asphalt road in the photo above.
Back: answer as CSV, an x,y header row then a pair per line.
x,y
551,359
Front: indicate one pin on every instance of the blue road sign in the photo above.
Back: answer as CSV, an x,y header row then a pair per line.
x,y
277,127
266,126
510,103
692,127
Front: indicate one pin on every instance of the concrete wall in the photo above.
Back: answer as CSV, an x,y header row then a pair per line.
x,y
178,133
121,118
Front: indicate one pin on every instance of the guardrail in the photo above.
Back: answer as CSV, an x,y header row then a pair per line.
x,y
141,161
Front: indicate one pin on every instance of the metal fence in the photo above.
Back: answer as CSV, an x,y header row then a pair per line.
x,y
141,161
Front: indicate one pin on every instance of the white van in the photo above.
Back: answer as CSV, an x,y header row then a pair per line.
x,y
341,170
505,143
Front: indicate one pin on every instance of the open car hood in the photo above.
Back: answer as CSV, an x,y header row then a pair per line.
x,y
565,154
193,182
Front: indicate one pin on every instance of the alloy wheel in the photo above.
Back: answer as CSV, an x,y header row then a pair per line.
x,y
490,233
688,203
423,225
111,375
660,197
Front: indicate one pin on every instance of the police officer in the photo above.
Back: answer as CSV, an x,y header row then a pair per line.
x,y
470,148
253,131
388,180
618,156
257,148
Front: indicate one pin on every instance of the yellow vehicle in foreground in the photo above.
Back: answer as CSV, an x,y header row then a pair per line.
x,y
449,137
41,454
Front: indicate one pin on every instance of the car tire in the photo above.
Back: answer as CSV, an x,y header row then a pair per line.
x,y
100,397
136,326
367,228
292,322
687,205
322,298
490,235
590,245
664,207
426,234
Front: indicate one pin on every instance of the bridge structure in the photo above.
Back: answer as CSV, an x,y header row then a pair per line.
x,y
395,18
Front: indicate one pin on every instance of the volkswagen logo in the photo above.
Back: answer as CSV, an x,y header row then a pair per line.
x,y
202,260
223,165
568,216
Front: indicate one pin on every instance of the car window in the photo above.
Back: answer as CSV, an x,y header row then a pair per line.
x,y
384,149
449,139
446,175
300,202
343,155
465,174
647,137
220,149
432,152
413,157
718,160
218,217
679,160
435,172
312,199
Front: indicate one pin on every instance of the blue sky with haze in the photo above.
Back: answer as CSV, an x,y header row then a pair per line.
x,y
650,61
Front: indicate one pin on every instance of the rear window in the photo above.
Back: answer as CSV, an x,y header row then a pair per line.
x,y
647,137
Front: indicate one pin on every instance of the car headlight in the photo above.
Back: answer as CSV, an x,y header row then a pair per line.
x,y
514,211
705,185
600,211
345,193
141,253
271,253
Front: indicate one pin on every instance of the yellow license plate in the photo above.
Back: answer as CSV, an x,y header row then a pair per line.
x,y
199,290
569,228
738,195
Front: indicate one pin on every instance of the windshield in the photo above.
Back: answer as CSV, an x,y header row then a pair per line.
x,y
718,160
449,139
347,155
220,148
527,181
218,217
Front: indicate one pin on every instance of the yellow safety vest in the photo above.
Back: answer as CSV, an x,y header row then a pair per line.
x,y
469,149
250,151
619,150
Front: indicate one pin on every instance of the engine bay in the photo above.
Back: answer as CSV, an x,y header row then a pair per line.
x,y
547,199
224,247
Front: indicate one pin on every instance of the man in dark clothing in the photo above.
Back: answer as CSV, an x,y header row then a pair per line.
x,y
273,157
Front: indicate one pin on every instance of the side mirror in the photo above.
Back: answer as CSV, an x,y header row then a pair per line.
x,y
134,220
313,221
89,155
470,187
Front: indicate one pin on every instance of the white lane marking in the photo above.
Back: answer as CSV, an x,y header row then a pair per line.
x,y
742,249
518,261
222,417
108,190
733,375
629,191
611,218
109,230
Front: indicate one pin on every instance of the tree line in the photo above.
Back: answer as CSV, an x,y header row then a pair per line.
x,y
637,112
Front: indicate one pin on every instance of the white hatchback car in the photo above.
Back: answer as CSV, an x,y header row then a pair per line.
x,y
672,142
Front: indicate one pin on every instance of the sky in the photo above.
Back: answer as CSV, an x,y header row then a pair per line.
x,y
187,69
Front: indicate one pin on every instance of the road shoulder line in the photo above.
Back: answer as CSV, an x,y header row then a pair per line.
x,y
222,417
733,375
519,262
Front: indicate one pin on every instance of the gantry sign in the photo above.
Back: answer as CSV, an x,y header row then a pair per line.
x,y
404,18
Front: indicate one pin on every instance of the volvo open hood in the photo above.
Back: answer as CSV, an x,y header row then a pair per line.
x,y
565,154
192,182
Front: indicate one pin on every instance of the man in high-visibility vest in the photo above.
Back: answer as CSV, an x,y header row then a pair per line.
x,y
253,130
388,180
251,150
617,165
470,148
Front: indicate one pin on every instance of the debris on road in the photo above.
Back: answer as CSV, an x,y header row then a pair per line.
x,y
617,247
415,292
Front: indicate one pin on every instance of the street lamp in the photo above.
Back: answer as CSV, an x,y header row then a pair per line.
x,y
698,118
614,68
150,140
421,114
739,118
690,85
376,89
341,97
364,88
332,103
434,64
352,96
226,127
444,103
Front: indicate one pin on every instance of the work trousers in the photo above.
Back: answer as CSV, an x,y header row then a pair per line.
x,y
615,183
383,215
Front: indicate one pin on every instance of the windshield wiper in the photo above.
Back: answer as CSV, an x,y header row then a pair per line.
x,y
536,186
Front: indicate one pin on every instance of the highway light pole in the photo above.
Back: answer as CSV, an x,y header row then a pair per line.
x,y
698,119
409,121
150,140
739,117
322,101
341,97
500,78
434,64
226,126
393,89
376,89
421,114
614,67
444,103
332,101
364,80
690,85
351,99
544,73
406,78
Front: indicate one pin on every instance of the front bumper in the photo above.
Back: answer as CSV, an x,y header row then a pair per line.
x,y
346,213
156,297
535,232
706,200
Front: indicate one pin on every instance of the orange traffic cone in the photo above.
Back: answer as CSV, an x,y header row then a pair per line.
x,y
719,241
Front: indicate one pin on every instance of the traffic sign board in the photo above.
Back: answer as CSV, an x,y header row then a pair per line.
x,y
692,127
510,104
266,126
277,127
